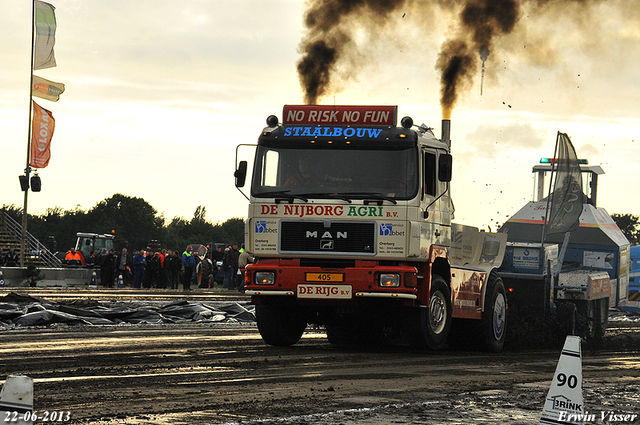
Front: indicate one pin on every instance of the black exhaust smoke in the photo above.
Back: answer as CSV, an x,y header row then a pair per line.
x,y
330,25
330,54
481,21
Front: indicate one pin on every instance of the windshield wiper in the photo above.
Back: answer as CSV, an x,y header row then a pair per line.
x,y
327,195
284,195
372,197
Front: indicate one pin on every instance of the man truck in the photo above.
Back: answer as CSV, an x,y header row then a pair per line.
x,y
350,222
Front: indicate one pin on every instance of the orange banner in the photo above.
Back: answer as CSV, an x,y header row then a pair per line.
x,y
46,89
41,134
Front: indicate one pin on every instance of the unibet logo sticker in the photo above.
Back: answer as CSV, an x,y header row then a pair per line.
x,y
261,227
386,229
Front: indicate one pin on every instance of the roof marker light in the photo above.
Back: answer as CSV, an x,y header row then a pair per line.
x,y
407,122
272,121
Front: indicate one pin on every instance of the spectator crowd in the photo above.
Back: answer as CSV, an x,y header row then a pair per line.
x,y
169,269
160,268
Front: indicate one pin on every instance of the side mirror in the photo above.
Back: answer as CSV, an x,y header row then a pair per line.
x,y
241,174
445,166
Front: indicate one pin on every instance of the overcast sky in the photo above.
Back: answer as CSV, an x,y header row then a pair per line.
x,y
159,93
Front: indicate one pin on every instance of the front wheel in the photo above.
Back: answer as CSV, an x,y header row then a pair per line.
x,y
430,326
279,325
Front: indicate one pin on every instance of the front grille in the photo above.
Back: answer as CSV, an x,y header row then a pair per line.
x,y
327,237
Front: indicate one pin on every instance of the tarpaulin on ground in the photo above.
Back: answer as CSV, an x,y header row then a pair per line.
x,y
25,310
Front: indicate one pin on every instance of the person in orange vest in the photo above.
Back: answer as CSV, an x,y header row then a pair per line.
x,y
69,256
161,277
74,258
79,257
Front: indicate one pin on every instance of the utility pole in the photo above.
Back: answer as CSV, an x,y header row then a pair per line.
x,y
27,170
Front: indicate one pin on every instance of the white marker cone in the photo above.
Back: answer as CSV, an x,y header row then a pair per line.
x,y
564,403
16,396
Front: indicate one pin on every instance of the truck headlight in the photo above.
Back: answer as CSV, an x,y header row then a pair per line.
x,y
389,280
265,278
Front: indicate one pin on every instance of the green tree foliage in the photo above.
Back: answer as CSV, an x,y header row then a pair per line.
x,y
629,224
14,212
134,221
181,233
55,225
232,230
174,235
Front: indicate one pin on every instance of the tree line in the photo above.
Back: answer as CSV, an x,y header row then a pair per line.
x,y
134,222
629,224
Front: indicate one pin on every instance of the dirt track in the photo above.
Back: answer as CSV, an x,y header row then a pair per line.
x,y
222,373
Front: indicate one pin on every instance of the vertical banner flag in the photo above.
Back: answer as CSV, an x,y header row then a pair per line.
x,y
46,89
45,35
567,196
41,134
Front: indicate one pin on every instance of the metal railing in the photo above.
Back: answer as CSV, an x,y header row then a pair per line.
x,y
34,249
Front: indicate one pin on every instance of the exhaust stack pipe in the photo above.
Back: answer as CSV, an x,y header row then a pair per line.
x,y
446,131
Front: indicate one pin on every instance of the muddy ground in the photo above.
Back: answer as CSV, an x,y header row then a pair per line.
x,y
220,373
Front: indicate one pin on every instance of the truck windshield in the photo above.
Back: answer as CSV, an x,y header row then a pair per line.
x,y
343,173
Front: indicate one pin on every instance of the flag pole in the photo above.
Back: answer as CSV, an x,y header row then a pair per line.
x,y
547,211
27,169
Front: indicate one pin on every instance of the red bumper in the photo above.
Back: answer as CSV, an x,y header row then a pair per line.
x,y
308,283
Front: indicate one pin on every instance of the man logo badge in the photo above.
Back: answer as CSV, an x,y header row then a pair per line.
x,y
326,244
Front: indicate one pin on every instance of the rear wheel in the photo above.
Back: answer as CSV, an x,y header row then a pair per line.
x,y
493,325
279,325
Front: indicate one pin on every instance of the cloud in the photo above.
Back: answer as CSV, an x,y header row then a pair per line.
x,y
489,141
588,151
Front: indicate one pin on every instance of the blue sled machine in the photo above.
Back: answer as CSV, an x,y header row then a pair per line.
x,y
573,289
